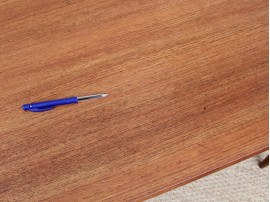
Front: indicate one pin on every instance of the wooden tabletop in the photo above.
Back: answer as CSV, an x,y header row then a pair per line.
x,y
187,84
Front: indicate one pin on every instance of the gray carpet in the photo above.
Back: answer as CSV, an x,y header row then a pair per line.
x,y
242,182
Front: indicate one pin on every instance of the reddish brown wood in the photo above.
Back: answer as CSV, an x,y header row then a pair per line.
x,y
264,163
198,177
187,84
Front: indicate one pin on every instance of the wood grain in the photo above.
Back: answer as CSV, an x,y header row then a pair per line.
x,y
187,84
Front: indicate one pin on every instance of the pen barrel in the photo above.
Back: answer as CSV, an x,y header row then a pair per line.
x,y
51,103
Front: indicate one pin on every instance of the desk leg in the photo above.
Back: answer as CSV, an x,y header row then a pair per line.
x,y
265,162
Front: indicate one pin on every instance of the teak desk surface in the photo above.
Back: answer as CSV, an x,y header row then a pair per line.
x,y
188,95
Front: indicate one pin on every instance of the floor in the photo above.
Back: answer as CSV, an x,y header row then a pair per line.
x,y
244,181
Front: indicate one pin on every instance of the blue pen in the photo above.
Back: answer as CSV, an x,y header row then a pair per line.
x,y
48,105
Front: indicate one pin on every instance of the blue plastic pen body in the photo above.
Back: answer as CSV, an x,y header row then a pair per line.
x,y
43,106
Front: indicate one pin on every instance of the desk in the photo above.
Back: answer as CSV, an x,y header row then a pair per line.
x,y
187,84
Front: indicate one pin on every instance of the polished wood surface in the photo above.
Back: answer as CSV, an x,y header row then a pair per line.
x,y
187,84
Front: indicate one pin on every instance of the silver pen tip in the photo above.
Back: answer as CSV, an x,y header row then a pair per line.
x,y
89,97
104,95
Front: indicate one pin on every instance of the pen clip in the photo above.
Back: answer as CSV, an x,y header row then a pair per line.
x,y
40,109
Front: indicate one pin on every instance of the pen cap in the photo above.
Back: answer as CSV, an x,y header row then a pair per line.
x,y
48,104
